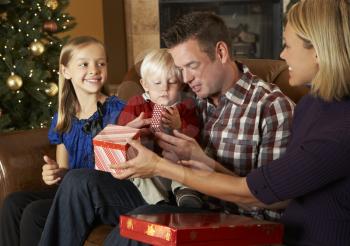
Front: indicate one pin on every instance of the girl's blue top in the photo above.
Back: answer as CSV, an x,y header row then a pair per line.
x,y
78,140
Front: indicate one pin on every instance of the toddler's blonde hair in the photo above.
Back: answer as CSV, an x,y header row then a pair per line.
x,y
159,63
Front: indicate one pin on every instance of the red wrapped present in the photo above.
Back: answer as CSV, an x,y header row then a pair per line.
x,y
156,120
110,146
202,229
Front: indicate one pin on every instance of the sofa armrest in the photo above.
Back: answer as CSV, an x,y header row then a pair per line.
x,y
21,160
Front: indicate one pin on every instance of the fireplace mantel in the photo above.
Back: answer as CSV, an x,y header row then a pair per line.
x,y
142,27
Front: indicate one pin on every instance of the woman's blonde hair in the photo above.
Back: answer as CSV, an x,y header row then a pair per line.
x,y
160,63
325,26
68,103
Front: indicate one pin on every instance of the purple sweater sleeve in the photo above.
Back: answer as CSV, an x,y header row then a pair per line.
x,y
304,168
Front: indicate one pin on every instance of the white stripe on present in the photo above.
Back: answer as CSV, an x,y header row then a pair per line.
x,y
104,157
116,134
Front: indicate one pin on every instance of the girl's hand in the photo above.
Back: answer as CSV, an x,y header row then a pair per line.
x,y
52,173
171,118
142,166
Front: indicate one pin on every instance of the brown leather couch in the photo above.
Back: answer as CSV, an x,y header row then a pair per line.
x,y
21,151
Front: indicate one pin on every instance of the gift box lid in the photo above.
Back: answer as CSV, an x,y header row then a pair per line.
x,y
201,229
114,136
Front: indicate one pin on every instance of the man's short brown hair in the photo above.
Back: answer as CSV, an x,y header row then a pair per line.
x,y
205,27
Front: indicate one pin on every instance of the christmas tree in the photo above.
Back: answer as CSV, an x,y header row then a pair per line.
x,y
29,54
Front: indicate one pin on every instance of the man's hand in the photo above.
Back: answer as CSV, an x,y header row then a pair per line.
x,y
186,148
171,156
142,166
171,118
52,173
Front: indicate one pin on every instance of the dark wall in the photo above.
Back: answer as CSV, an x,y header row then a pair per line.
x,y
115,39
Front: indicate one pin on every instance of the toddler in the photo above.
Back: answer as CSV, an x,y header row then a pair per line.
x,y
163,86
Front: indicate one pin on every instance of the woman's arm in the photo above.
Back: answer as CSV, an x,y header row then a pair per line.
x,y
186,148
212,183
148,164
208,164
219,168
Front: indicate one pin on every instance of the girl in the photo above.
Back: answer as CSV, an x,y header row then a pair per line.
x,y
83,110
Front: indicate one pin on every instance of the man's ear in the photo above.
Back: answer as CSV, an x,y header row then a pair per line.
x,y
222,52
65,72
144,85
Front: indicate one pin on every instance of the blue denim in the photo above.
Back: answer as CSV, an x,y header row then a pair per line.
x,y
85,198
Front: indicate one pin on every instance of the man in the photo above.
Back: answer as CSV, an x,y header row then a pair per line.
x,y
247,121
247,124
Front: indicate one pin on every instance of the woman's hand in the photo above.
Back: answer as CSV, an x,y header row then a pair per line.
x,y
142,166
171,118
52,173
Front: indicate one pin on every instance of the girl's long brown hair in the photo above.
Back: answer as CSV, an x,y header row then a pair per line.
x,y
68,103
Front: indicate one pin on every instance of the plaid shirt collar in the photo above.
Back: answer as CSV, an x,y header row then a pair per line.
x,y
239,91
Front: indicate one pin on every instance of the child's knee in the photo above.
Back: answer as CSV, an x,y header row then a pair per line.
x,y
28,216
75,177
13,202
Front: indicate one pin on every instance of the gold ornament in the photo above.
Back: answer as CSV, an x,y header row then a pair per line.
x,y
37,48
14,82
52,89
52,4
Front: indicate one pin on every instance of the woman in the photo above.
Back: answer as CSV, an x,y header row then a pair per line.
x,y
314,172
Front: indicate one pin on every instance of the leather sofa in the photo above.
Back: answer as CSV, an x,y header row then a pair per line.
x,y
21,151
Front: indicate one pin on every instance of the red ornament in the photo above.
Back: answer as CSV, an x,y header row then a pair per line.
x,y
50,26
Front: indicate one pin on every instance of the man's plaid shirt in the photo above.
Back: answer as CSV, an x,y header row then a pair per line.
x,y
250,127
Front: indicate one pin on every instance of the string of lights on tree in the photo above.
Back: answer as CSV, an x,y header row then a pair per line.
x,y
30,44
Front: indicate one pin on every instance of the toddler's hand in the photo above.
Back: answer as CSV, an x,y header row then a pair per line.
x,y
139,122
52,173
171,118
